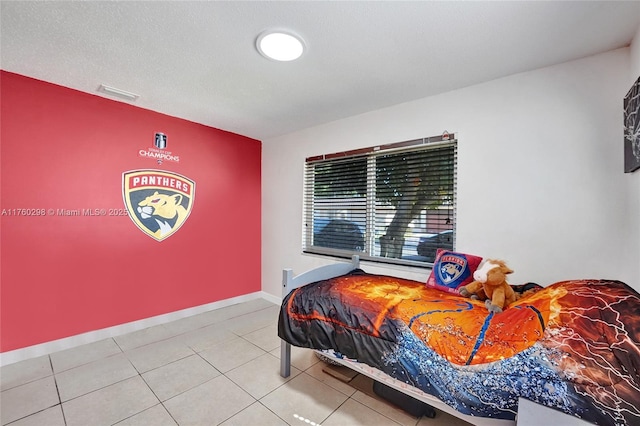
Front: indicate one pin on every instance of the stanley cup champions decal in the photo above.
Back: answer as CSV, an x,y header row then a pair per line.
x,y
158,202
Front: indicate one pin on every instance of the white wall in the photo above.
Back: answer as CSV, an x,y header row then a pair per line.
x,y
633,179
540,180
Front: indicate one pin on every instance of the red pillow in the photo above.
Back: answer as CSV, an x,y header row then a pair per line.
x,y
452,270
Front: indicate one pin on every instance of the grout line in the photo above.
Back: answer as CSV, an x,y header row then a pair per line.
x,y
55,381
85,363
270,410
117,344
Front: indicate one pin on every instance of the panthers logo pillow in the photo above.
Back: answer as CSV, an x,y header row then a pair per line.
x,y
452,270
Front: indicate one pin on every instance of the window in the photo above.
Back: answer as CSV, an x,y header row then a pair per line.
x,y
393,203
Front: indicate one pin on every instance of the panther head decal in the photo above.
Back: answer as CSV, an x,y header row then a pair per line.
x,y
158,201
165,207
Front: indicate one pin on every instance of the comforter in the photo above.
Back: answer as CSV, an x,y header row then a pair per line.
x,y
573,346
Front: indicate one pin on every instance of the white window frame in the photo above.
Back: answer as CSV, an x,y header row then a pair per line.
x,y
368,217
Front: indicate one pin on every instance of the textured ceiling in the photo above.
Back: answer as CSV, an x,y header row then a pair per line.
x,y
198,61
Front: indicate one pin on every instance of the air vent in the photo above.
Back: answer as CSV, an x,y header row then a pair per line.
x,y
118,93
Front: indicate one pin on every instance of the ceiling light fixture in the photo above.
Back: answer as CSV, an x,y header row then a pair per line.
x,y
118,92
280,45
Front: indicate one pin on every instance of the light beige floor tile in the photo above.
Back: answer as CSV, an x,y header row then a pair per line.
x,y
352,413
133,340
301,358
260,376
231,354
256,414
109,405
303,396
203,338
258,304
27,399
209,404
444,419
49,417
316,372
154,416
368,397
156,355
253,321
93,376
26,371
84,354
185,325
265,338
385,408
179,376
236,310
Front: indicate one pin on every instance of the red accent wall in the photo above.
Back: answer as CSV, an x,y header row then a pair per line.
x,y
65,275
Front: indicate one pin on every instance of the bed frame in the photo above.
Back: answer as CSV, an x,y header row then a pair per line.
x,y
529,413
291,282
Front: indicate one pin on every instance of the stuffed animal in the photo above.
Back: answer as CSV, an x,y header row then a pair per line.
x,y
491,284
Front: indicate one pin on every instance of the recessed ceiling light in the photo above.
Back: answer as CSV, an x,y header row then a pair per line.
x,y
280,45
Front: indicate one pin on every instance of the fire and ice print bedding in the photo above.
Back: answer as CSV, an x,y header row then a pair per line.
x,y
573,346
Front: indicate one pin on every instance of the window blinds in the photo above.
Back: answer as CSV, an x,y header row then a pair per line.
x,y
392,203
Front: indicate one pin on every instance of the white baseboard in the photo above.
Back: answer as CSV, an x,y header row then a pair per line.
x,y
271,298
46,348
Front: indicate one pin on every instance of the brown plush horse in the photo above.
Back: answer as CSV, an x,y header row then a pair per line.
x,y
491,284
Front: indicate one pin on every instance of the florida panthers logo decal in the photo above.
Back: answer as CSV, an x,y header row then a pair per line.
x,y
451,270
158,202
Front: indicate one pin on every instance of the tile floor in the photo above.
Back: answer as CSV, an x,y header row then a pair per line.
x,y
217,368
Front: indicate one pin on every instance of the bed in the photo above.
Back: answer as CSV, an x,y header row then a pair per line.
x,y
573,346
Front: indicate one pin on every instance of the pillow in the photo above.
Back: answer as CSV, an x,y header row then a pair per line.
x,y
452,270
